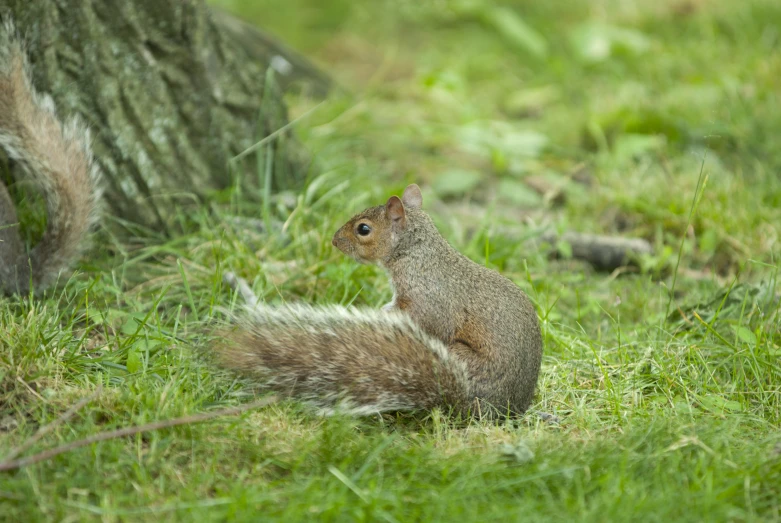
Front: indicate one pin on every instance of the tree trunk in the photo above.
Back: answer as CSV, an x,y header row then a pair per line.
x,y
171,93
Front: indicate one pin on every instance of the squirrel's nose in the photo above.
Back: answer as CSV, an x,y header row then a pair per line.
x,y
333,241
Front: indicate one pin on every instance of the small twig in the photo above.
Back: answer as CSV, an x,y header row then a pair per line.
x,y
131,431
68,414
239,284
32,391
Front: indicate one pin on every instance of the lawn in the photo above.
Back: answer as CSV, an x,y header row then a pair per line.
x,y
656,120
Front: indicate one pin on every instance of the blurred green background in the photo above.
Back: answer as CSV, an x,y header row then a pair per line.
x,y
585,115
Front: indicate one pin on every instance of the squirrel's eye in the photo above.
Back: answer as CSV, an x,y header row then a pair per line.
x,y
364,229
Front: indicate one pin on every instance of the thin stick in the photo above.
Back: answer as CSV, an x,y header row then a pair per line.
x,y
130,431
240,285
32,391
603,252
65,416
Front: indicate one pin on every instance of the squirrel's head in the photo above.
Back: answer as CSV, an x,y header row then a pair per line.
x,y
371,236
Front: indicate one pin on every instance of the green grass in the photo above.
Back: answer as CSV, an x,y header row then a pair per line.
x,y
668,399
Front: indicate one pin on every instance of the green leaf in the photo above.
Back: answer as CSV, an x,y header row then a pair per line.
x,y
456,182
630,146
520,452
530,101
708,241
134,361
596,42
682,406
524,143
489,138
132,323
565,249
746,335
658,399
719,405
515,31
519,194
506,23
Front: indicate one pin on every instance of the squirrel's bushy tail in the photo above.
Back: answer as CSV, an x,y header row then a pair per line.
x,y
57,158
351,360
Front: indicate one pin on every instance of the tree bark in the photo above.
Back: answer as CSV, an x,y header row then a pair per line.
x,y
170,91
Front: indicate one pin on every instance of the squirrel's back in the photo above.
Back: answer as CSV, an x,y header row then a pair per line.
x,y
57,158
512,339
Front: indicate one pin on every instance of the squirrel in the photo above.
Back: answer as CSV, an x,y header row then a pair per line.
x,y
56,156
456,335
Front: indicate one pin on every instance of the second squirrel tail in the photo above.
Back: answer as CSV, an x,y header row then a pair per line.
x,y
347,360
57,158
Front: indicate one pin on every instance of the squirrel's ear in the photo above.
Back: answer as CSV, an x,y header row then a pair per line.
x,y
395,210
412,198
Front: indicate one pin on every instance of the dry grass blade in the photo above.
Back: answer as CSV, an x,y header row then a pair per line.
x,y
130,431
53,425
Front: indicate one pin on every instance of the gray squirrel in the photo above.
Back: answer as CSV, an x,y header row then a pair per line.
x,y
457,335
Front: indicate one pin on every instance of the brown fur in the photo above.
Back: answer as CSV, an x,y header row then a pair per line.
x,y
470,337
57,158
